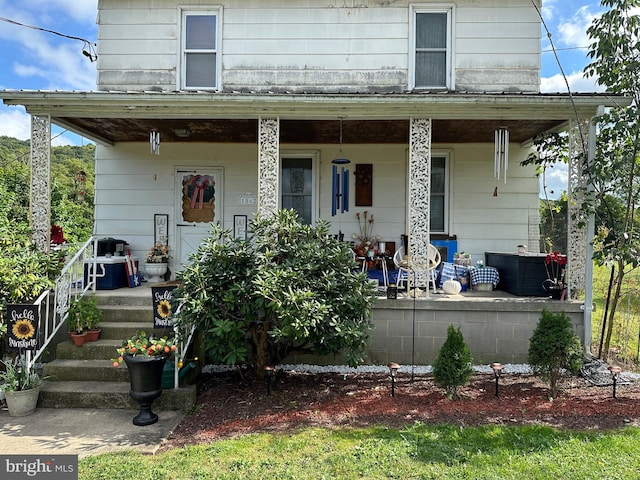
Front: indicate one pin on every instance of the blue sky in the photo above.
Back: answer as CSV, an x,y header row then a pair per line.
x,y
36,60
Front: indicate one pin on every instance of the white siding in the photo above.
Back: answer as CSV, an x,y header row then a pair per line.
x,y
132,186
481,221
315,45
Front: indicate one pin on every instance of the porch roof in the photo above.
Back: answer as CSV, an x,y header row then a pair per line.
x,y
111,117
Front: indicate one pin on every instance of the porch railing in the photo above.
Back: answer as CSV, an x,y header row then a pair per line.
x,y
53,305
72,284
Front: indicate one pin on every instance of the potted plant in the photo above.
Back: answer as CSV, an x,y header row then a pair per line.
x,y
77,332
87,314
555,263
145,357
157,262
21,388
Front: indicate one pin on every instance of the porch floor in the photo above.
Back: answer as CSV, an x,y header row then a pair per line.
x,y
144,291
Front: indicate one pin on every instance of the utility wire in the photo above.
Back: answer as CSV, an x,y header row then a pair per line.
x,y
564,76
90,53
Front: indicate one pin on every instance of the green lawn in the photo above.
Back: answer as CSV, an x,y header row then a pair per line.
x,y
626,332
420,451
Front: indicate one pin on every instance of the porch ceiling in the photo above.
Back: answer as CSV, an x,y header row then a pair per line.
x,y
303,131
112,117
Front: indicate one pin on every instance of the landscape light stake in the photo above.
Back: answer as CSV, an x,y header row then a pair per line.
x,y
269,371
615,372
497,371
393,371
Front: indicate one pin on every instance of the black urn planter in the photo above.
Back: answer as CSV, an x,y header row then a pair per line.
x,y
145,376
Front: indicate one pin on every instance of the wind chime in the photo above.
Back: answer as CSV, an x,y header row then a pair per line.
x,y
339,182
501,159
154,141
81,182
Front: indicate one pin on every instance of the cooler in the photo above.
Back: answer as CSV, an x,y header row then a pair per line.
x,y
111,272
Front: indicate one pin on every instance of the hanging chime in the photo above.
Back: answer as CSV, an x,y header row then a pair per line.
x,y
339,182
501,160
154,141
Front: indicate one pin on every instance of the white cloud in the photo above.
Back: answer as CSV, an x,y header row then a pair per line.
x,y
549,10
52,10
15,122
577,83
573,32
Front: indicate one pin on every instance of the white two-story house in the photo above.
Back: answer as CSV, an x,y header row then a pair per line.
x,y
211,111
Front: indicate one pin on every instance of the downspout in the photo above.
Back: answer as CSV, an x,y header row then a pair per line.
x,y
588,274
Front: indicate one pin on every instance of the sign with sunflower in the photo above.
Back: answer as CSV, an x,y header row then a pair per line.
x,y
162,311
22,327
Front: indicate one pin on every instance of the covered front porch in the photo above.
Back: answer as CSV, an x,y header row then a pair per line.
x,y
244,138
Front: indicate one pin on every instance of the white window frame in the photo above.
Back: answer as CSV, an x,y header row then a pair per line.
x,y
446,154
314,155
449,9
182,64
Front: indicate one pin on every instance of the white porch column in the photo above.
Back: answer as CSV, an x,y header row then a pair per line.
x,y
577,240
419,204
40,208
268,165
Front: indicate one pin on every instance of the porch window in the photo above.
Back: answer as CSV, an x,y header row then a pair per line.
x,y
200,65
297,186
438,208
432,44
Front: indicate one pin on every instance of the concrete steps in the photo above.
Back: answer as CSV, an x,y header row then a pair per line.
x,y
84,377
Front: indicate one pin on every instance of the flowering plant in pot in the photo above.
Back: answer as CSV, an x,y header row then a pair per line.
x,y
145,357
365,239
159,253
555,263
142,345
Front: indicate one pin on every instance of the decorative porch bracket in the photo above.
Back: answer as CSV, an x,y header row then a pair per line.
x,y
40,215
577,218
268,165
419,204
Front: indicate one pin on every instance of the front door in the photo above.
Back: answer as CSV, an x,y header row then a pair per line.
x,y
198,205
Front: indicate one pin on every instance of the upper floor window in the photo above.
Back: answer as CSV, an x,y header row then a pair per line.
x,y
432,49
200,65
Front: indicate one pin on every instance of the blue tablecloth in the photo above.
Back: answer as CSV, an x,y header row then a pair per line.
x,y
484,275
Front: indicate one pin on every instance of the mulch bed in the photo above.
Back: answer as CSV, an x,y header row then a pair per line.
x,y
229,405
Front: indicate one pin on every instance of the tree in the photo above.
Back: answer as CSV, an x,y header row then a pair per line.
x,y
553,348
289,289
76,217
614,174
452,367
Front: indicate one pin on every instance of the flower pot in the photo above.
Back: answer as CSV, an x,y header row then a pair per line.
x,y
145,377
155,271
556,293
78,339
23,402
93,335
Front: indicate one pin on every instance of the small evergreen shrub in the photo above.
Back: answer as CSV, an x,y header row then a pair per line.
x,y
452,368
554,348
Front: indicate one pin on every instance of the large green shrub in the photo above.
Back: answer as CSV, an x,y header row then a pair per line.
x,y
289,289
452,368
554,348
